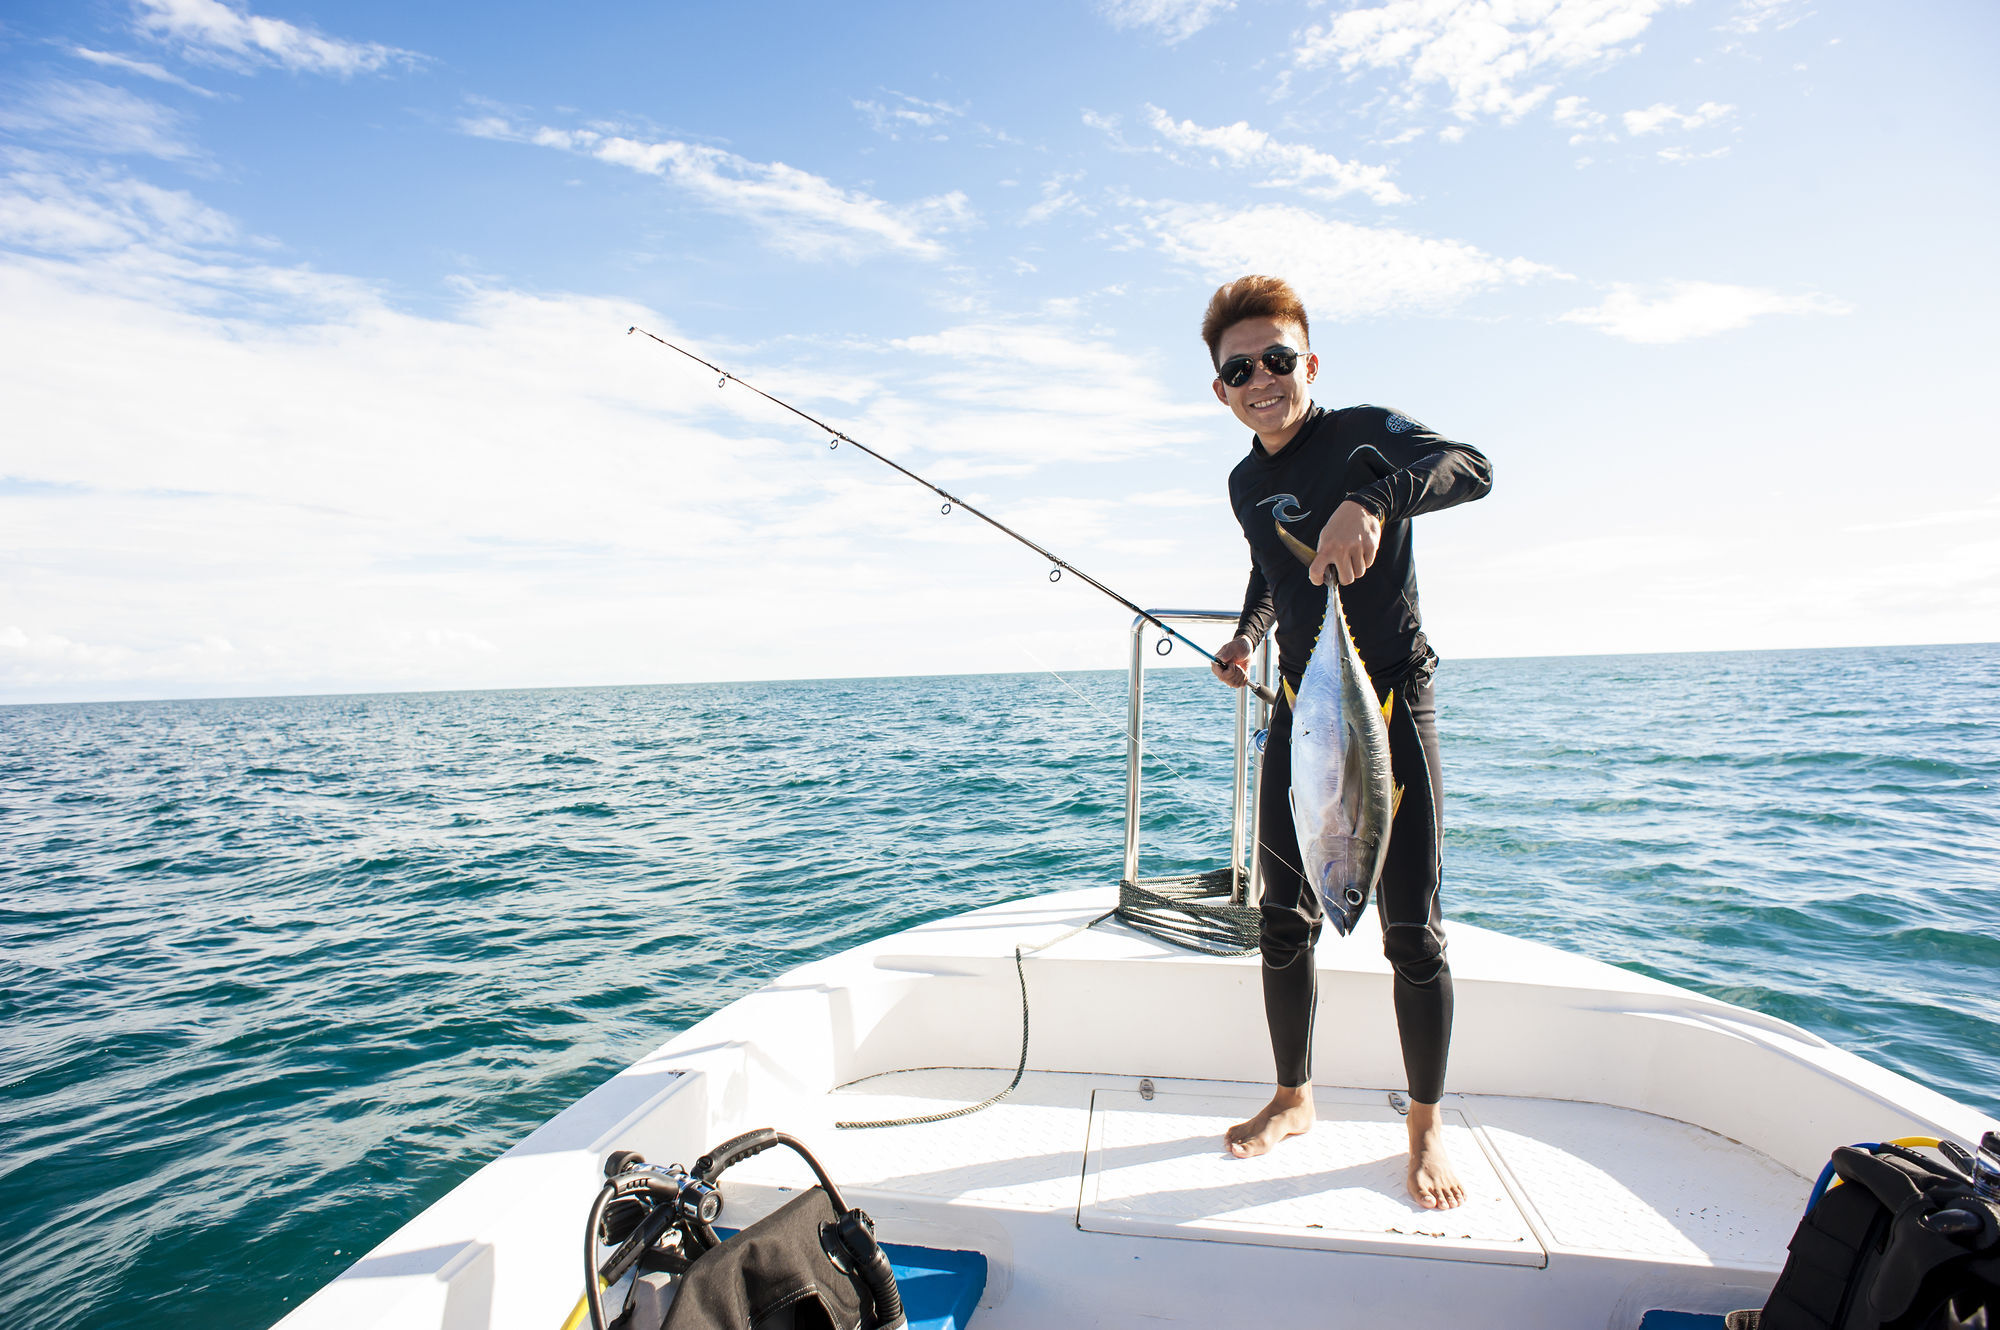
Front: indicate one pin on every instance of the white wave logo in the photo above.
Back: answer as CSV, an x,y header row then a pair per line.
x,y
1285,507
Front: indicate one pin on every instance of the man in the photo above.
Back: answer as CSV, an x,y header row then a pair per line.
x,y
1346,483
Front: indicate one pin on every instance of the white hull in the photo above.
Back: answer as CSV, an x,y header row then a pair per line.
x,y
1627,1144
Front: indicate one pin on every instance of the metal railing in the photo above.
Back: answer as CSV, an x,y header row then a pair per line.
x,y
1244,876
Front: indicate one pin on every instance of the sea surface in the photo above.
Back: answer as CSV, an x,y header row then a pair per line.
x,y
276,973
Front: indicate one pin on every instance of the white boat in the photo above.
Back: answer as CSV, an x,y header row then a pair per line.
x,y
1628,1147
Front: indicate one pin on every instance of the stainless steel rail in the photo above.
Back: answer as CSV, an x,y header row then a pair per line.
x,y
1244,877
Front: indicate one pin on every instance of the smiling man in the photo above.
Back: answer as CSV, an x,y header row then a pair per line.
x,y
1347,483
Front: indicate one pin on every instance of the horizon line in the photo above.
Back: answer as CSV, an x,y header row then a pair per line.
x,y
963,674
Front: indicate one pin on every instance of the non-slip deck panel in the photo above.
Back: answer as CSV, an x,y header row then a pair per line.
x,y
1156,1167
1546,1177
1618,1182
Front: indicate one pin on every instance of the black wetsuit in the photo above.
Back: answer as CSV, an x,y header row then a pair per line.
x,y
1396,469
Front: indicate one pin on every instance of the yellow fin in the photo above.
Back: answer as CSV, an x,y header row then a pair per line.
x,y
1387,703
1395,803
1291,693
1305,552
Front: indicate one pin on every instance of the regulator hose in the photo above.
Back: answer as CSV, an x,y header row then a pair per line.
x,y
873,1263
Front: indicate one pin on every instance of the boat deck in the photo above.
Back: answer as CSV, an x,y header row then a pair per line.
x,y
1545,1179
1594,1196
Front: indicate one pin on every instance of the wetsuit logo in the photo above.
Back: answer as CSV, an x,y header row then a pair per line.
x,y
1399,424
1285,507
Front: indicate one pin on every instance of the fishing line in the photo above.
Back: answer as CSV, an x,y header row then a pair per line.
x,y
1257,842
1123,729
1057,567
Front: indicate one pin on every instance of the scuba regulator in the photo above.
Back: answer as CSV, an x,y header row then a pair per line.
x,y
662,1221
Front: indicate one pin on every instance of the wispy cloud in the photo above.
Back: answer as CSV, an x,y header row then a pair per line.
x,y
1492,57
1678,153
804,214
1057,197
1015,392
1574,113
904,116
143,68
96,117
1753,16
1344,271
1660,117
1175,20
1686,310
107,230
1292,166
50,210
219,33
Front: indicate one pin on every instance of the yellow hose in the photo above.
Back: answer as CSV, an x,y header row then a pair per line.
x,y
578,1313
1908,1142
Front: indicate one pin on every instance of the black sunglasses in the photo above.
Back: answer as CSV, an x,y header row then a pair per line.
x,y
1236,371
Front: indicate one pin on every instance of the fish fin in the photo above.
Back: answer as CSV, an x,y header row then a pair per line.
x,y
1395,802
1387,703
1291,693
1305,552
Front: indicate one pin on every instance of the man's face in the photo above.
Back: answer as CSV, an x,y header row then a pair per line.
x,y
1271,405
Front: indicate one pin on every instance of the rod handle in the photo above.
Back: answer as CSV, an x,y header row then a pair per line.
x,y
1267,695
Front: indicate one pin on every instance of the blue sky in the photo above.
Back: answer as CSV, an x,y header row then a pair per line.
x,y
315,373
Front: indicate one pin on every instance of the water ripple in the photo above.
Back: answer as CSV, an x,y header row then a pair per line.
x,y
275,974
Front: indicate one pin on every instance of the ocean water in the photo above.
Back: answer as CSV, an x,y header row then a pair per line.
x,y
276,973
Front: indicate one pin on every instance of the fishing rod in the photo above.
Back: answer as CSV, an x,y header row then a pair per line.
x,y
1057,566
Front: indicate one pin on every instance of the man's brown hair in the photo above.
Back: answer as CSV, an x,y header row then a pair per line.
x,y
1252,297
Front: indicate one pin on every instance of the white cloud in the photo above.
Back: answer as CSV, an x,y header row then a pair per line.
x,y
1575,113
1492,56
47,209
904,115
1176,20
224,34
1001,392
1293,165
1342,270
1754,16
1056,198
144,68
1687,310
231,476
1680,154
1660,117
805,214
97,117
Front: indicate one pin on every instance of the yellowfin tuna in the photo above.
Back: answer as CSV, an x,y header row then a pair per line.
x,y
1342,795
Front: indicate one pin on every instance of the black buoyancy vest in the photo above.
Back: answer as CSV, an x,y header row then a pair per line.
x,y
1908,1243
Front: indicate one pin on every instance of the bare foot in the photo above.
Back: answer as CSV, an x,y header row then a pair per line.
x,y
1431,1182
1290,1113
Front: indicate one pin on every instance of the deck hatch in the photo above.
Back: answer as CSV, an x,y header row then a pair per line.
x,y
1153,1168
